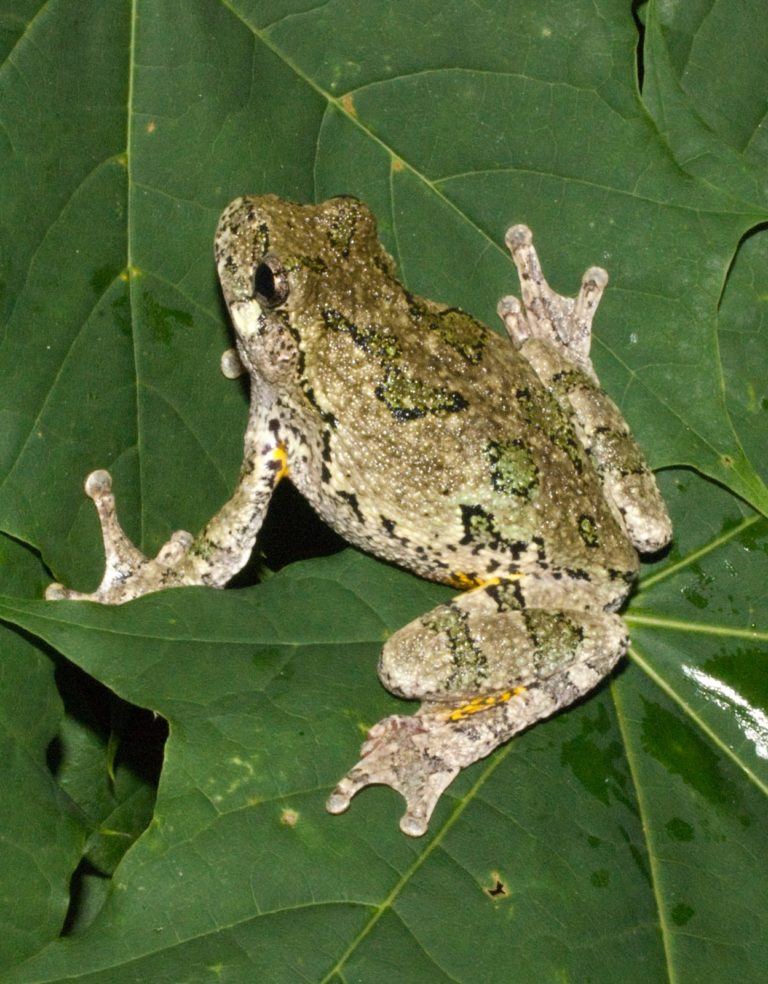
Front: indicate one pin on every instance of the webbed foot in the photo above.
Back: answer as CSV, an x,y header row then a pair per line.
x,y
545,314
412,755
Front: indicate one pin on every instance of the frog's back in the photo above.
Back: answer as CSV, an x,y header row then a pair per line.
x,y
442,451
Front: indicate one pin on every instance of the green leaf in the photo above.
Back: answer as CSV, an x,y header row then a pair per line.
x,y
42,833
617,841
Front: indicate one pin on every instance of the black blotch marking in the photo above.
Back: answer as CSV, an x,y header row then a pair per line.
x,y
372,339
326,450
480,528
388,525
325,415
351,499
628,577
506,595
577,574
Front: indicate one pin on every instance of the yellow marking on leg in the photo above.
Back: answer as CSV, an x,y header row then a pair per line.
x,y
478,704
280,454
493,581
462,581
465,582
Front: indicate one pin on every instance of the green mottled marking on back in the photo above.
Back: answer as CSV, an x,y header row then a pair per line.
x,y
588,531
370,338
314,263
461,332
408,397
506,594
513,470
555,422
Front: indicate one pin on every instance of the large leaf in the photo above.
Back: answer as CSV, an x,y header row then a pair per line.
x,y
615,841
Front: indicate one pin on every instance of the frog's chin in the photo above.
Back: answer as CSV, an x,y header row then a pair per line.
x,y
248,322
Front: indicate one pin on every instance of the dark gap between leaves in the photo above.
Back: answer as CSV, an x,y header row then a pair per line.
x,y
292,531
126,740
638,15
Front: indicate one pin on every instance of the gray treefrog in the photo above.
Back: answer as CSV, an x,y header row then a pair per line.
x,y
496,465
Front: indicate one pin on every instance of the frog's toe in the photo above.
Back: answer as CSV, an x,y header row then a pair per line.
x,y
510,310
231,364
403,753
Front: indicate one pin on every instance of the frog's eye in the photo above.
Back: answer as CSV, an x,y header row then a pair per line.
x,y
270,283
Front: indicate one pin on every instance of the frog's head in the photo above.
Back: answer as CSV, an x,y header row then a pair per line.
x,y
283,267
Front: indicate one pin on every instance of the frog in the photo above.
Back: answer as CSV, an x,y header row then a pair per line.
x,y
490,461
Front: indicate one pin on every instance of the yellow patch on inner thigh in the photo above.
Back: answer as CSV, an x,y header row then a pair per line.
x,y
478,704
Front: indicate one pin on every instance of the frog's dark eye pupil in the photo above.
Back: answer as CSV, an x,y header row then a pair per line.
x,y
270,282
264,282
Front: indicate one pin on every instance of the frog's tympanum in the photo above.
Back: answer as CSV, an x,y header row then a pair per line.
x,y
495,465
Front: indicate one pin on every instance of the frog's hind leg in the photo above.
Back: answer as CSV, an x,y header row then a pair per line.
x,y
554,333
482,676
628,483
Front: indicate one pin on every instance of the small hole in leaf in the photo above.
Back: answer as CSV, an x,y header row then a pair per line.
x,y
497,889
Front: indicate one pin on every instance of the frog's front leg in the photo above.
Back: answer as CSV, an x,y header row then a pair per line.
x,y
215,555
482,676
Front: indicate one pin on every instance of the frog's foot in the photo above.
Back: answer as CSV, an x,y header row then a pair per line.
x,y
545,314
127,572
413,756
421,754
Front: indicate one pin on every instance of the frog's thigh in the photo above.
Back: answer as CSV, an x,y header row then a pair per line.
x,y
627,480
453,655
